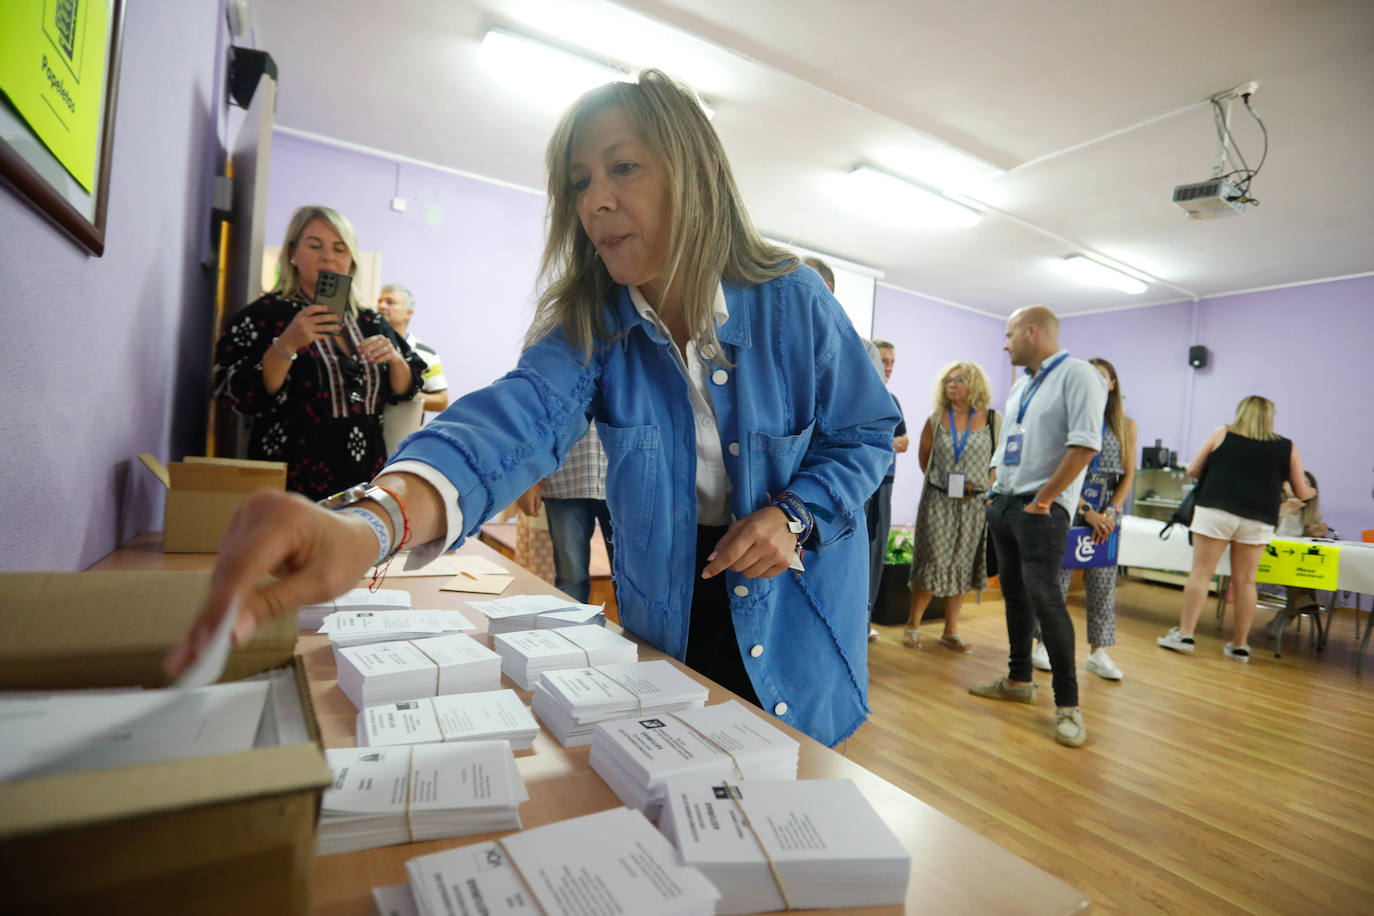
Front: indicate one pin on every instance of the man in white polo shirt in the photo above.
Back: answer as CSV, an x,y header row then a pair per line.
x,y
397,305
1052,429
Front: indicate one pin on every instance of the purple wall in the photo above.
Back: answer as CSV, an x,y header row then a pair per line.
x,y
467,248
928,335
1306,349
108,357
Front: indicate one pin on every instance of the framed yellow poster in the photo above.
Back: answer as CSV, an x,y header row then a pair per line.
x,y
59,79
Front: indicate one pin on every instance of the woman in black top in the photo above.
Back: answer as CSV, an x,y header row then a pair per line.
x,y
1237,505
314,384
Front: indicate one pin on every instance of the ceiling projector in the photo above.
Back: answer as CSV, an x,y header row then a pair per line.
x,y
1210,199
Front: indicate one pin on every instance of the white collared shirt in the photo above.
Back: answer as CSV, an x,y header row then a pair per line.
x,y
713,484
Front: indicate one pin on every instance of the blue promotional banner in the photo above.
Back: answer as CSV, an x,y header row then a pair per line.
x,y
1081,553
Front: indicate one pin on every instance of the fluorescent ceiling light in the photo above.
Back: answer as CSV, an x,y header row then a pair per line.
x,y
550,75
907,202
1095,273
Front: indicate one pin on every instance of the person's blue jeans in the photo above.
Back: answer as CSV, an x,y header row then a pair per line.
x,y
570,528
1030,552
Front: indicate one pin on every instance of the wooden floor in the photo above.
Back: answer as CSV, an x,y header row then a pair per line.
x,y
1206,786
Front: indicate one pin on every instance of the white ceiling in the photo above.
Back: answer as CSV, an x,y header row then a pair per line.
x,y
1092,109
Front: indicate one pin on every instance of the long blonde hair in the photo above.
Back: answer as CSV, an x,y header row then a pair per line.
x,y
978,394
1115,414
1254,418
289,279
710,235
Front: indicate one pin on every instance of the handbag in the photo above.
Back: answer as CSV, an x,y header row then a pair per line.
x,y
1183,512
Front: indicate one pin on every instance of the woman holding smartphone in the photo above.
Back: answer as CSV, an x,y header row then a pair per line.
x,y
743,426
314,380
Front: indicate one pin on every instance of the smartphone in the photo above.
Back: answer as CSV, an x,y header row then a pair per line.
x,y
331,289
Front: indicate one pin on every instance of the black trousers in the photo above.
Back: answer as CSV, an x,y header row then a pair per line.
x,y
712,649
1030,552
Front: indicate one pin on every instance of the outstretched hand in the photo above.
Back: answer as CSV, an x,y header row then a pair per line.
x,y
758,546
314,554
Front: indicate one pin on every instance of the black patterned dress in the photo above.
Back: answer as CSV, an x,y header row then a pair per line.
x,y
325,421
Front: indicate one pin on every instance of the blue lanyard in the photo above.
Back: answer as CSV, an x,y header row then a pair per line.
x,y
1092,471
1035,386
959,443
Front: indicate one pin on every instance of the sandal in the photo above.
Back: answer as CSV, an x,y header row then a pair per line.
x,y
911,639
956,642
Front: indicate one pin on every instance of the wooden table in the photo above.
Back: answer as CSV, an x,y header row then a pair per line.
x,y
954,869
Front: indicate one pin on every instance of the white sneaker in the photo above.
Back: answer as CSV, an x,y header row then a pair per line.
x,y
872,634
1237,653
1101,664
1040,656
1176,641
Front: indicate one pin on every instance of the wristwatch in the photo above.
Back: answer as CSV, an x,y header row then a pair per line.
x,y
359,492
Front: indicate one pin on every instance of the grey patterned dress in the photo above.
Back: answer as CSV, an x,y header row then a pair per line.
x,y
950,555
1100,581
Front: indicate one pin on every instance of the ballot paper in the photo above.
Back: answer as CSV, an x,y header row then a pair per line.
x,y
311,616
396,900
283,718
635,756
537,612
571,702
478,583
386,672
489,715
385,796
361,628
604,864
67,731
527,654
830,848
448,564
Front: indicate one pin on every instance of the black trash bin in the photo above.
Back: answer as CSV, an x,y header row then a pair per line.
x,y
894,597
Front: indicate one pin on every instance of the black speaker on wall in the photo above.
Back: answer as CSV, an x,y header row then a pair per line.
x,y
1197,356
246,67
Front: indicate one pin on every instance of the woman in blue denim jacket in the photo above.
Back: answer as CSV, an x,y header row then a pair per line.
x,y
743,425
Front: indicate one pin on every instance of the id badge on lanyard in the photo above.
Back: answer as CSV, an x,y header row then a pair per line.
x,y
1092,494
954,486
1011,455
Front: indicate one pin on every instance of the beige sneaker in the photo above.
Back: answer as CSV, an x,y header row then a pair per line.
x,y
1001,690
1069,729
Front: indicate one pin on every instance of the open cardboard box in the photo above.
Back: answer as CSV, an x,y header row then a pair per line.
x,y
202,493
231,833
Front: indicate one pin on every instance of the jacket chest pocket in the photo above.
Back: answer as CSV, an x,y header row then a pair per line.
x,y
632,470
775,460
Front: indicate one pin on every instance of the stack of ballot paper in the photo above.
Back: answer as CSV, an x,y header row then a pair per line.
x,y
527,654
571,702
361,628
537,612
384,796
311,616
830,848
727,741
72,730
389,671
609,862
485,716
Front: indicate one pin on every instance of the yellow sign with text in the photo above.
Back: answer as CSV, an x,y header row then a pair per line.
x,y
52,71
1300,563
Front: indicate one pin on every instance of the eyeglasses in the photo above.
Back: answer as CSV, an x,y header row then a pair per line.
x,y
956,380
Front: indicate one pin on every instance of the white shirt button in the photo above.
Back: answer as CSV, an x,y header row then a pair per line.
x,y
720,376
756,651
780,709
704,422
734,448
741,590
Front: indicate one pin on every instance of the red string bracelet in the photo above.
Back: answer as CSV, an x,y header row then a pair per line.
x,y
379,573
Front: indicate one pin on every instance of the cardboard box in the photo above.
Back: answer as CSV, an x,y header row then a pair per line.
x,y
231,833
202,493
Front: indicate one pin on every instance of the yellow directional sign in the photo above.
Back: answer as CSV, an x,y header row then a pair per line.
x,y
1300,563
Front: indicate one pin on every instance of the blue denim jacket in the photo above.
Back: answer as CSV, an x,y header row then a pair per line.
x,y
809,415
